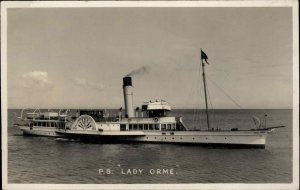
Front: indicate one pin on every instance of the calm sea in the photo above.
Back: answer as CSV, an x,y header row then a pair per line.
x,y
50,160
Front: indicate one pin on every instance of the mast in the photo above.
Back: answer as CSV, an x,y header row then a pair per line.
x,y
204,82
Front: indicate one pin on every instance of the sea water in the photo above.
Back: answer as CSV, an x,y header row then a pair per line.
x,y
58,160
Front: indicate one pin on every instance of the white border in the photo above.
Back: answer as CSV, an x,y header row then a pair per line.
x,y
260,3
231,186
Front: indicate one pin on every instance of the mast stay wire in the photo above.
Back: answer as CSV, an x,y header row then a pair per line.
x,y
195,110
227,75
194,89
209,98
200,90
212,108
239,107
228,96
191,93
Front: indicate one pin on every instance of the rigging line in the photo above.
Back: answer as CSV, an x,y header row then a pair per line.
x,y
194,111
189,98
199,110
220,70
209,98
213,110
228,96
195,84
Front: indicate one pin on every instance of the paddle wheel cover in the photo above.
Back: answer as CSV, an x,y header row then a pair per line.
x,y
85,122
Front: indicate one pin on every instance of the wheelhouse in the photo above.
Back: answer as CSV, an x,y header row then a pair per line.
x,y
156,109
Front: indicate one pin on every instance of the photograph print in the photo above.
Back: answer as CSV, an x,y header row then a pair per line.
x,y
140,95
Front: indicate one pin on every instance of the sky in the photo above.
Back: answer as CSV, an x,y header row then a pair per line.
x,y
77,57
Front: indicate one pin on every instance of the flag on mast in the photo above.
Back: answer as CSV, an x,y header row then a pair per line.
x,y
204,56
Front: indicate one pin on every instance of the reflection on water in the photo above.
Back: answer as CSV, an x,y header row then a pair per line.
x,y
50,160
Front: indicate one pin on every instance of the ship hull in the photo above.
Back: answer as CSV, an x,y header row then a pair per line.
x,y
234,139
39,131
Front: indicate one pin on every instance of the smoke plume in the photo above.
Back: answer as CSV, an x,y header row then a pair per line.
x,y
138,72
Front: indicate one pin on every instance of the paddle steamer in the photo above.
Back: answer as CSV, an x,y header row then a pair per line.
x,y
151,122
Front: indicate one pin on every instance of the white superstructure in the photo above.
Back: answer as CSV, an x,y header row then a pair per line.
x,y
42,123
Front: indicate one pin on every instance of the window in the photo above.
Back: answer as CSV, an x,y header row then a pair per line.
x,y
151,127
156,126
146,127
163,127
168,127
173,127
130,126
140,126
123,127
135,127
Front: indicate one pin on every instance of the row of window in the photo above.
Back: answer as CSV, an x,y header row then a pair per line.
x,y
47,124
143,126
168,127
164,127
